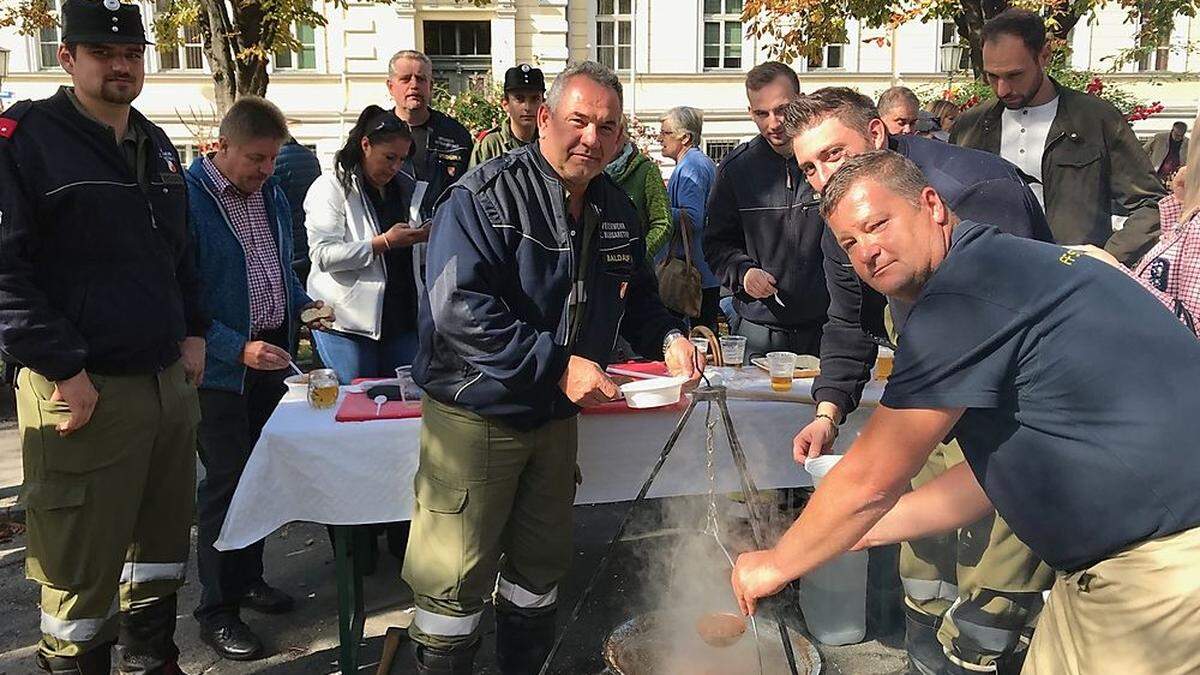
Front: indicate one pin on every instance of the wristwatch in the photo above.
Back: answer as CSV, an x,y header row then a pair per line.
x,y
669,338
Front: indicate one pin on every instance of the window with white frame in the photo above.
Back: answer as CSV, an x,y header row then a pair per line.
x,y
49,38
949,36
189,54
461,52
304,58
614,33
716,149
833,57
188,152
723,34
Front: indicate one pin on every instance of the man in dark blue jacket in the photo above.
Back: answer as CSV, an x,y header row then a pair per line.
x,y
100,307
762,235
535,266
297,168
974,592
441,145
241,226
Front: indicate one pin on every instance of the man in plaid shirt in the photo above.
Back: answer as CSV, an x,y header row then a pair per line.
x,y
240,222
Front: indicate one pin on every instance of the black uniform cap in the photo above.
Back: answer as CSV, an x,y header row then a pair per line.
x,y
524,77
102,22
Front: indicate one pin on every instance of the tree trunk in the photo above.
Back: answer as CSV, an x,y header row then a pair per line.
x,y
255,29
969,33
969,23
220,46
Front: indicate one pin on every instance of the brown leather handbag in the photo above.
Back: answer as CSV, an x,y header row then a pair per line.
x,y
679,280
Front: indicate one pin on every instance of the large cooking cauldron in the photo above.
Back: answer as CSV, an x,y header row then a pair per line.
x,y
666,643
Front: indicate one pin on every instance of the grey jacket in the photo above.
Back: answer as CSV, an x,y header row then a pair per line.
x,y
1093,168
1157,148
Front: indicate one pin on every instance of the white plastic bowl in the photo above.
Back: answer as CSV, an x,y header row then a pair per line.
x,y
817,467
297,388
655,392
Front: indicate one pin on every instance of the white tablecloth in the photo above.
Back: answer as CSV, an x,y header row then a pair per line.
x,y
309,467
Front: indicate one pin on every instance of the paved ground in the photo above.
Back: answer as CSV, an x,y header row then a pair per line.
x,y
299,560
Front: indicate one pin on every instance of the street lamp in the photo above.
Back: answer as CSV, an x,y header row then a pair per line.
x,y
952,54
3,72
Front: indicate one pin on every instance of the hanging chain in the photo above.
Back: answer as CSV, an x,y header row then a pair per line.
x,y
712,526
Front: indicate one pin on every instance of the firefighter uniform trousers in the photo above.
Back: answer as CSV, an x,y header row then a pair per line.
x,y
489,499
979,589
109,511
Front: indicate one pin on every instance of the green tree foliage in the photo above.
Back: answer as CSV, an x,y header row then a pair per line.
x,y
802,28
477,107
967,94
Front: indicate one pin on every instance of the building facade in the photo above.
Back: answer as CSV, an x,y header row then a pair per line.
x,y
669,52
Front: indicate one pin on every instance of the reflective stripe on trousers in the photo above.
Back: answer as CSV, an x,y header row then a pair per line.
x,y
77,630
141,572
523,598
929,589
440,624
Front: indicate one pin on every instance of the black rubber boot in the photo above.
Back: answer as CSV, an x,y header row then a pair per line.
x,y
146,640
925,654
457,661
1011,664
98,661
524,638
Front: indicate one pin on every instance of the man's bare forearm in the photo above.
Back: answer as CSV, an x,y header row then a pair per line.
x,y
948,502
839,514
864,486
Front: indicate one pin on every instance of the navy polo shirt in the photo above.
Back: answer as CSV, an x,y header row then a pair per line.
x,y
1082,393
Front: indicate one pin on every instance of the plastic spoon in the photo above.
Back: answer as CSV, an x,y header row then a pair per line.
x,y
379,401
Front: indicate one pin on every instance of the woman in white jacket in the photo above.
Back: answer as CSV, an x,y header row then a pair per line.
x,y
361,236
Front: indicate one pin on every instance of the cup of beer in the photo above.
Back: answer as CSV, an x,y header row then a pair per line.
x,y
883,363
782,366
322,388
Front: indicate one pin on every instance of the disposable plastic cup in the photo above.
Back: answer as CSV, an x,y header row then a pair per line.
x,y
733,350
782,366
883,363
701,345
833,597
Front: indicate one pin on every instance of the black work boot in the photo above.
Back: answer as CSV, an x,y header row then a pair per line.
x,y
925,654
524,638
146,639
457,661
1012,663
97,661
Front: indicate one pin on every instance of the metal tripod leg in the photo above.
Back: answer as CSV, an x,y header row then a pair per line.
x,y
706,394
751,490
612,544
